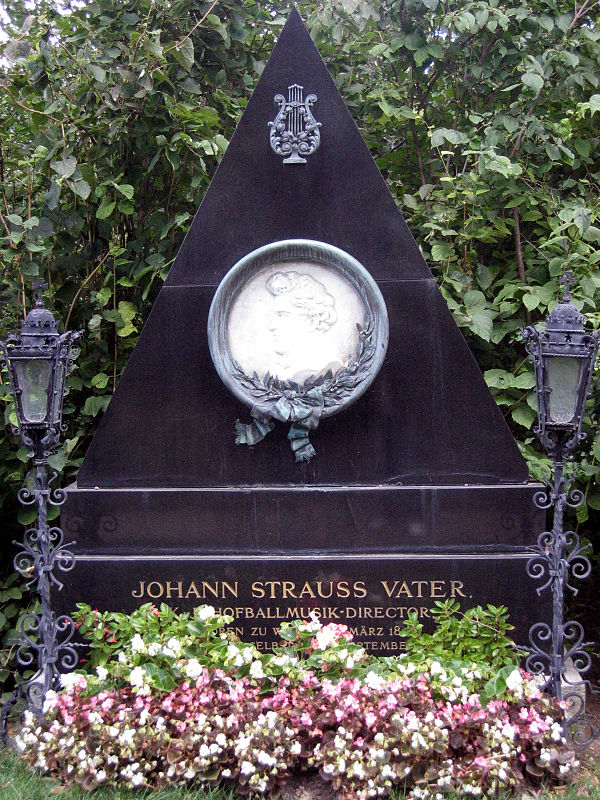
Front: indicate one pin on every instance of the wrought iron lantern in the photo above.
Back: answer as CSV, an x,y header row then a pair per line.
x,y
563,355
37,361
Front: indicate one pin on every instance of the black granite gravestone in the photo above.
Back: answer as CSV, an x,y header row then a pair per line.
x,y
417,491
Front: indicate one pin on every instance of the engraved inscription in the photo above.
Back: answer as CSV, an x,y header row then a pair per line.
x,y
374,611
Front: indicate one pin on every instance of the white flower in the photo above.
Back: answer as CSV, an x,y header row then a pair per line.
x,y
174,645
295,748
50,701
73,680
100,775
137,676
205,612
153,649
102,673
137,644
127,736
256,669
193,669
374,681
509,731
266,760
325,638
514,680
247,768
435,668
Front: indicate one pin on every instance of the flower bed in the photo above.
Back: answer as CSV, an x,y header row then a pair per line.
x,y
183,703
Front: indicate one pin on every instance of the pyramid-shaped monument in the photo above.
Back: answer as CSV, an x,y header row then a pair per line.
x,y
420,473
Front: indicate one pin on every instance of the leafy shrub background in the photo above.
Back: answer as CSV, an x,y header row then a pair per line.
x,y
481,115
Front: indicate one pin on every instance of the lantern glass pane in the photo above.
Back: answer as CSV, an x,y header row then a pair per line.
x,y
564,374
33,376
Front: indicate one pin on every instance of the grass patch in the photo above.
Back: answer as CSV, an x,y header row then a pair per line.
x,y
19,782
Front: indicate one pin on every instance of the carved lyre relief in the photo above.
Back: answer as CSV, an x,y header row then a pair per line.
x,y
294,131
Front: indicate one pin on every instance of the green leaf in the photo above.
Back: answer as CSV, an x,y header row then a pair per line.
x,y
498,378
525,380
94,405
440,135
97,72
582,217
484,276
100,380
533,81
523,415
184,53
66,167
482,323
126,189
105,208
439,252
81,188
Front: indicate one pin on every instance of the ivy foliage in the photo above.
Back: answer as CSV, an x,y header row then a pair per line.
x,y
482,115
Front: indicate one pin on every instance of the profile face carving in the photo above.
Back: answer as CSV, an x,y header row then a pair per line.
x,y
303,311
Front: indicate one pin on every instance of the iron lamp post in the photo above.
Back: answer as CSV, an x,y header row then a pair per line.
x,y
37,361
563,355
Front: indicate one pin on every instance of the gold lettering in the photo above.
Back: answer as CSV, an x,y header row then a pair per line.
x,y
389,591
156,592
288,589
171,586
231,589
306,591
212,588
437,592
257,589
320,590
343,590
419,585
456,588
192,589
360,590
141,594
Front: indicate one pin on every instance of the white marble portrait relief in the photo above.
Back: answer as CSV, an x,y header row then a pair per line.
x,y
295,320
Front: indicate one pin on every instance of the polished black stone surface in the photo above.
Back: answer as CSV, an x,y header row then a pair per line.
x,y
302,519
428,417
371,594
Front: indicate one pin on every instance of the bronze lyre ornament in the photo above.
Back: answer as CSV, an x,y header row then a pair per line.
x,y
294,131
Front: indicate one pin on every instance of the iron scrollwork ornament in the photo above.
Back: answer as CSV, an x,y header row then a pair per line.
x,y
297,330
294,131
558,555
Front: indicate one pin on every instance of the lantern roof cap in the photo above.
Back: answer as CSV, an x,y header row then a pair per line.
x,y
565,317
39,321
